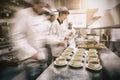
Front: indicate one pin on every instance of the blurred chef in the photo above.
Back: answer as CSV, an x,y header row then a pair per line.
x,y
58,30
50,20
29,36
29,30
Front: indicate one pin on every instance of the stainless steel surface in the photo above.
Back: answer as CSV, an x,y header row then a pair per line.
x,y
110,71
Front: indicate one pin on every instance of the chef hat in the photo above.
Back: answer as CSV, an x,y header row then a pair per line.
x,y
63,10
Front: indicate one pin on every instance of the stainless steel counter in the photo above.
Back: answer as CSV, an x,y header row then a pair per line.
x,y
110,71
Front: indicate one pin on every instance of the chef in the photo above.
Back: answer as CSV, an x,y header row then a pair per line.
x,y
48,24
70,35
29,36
59,26
58,30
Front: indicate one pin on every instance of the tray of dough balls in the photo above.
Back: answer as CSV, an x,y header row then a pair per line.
x,y
92,60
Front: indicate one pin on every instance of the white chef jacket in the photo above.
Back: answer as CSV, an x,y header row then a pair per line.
x,y
48,24
29,34
71,30
71,41
58,30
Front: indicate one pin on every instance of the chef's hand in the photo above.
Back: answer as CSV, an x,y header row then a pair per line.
x,y
62,44
35,57
66,38
70,34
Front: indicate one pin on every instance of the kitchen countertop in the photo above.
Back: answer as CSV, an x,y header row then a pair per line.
x,y
110,63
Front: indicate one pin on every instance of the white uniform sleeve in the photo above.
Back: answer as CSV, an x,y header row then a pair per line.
x,y
19,39
74,31
53,30
52,40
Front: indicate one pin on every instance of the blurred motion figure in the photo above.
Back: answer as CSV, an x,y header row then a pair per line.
x,y
30,35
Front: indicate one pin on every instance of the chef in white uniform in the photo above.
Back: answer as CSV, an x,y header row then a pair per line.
x,y
29,36
49,22
70,35
58,30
